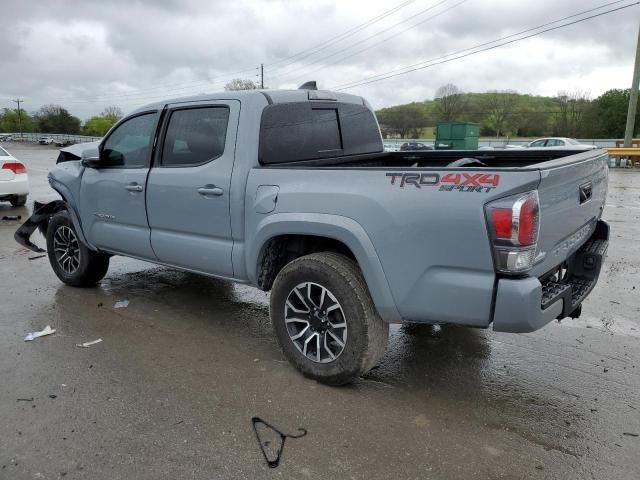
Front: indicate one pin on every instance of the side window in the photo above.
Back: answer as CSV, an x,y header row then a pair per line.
x,y
538,143
195,136
131,142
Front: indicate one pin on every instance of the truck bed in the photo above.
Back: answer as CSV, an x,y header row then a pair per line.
x,y
444,158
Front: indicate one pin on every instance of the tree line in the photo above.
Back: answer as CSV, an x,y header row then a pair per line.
x,y
500,113
510,114
56,119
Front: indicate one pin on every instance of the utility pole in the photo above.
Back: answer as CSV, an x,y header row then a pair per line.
x,y
19,101
633,98
262,75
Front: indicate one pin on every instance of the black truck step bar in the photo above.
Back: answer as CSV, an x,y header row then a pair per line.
x,y
583,269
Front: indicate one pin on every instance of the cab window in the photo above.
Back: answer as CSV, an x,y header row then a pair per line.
x,y
129,146
195,136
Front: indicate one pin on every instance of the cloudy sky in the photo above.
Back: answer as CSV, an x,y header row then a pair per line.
x,y
89,54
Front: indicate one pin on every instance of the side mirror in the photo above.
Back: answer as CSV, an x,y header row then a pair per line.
x,y
106,158
91,162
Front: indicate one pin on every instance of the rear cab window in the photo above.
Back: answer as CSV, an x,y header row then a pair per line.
x,y
291,132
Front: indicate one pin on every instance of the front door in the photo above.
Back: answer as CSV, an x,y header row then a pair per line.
x,y
112,197
188,187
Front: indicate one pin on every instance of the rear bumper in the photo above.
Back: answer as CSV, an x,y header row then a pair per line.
x,y
19,185
527,304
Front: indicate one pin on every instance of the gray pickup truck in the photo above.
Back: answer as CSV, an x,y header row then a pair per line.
x,y
291,191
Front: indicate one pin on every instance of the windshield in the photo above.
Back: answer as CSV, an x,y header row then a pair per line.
x,y
572,141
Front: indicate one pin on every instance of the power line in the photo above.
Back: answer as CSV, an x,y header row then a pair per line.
x,y
228,76
492,41
343,35
421,12
443,59
384,40
181,86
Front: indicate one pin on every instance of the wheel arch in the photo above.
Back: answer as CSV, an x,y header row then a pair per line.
x,y
67,197
334,233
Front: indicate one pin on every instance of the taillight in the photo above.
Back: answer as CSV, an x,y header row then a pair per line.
x,y
15,167
502,222
514,223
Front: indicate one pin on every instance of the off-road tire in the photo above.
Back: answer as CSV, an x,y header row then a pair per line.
x,y
92,266
18,201
367,333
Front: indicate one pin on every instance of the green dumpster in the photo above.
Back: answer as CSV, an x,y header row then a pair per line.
x,y
457,136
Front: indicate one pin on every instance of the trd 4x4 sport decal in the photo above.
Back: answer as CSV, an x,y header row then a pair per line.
x,y
459,182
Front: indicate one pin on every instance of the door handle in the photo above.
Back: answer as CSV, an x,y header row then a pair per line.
x,y
134,187
210,190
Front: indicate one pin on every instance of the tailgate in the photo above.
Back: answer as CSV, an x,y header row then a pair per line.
x,y
572,195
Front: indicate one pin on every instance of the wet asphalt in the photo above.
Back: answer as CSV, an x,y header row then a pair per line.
x,y
170,391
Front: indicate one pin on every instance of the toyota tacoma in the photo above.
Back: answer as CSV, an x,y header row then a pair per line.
x,y
293,193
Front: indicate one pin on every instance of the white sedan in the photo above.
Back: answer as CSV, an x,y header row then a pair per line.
x,y
560,143
14,182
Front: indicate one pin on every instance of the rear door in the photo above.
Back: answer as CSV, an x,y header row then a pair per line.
x,y
572,194
188,187
112,199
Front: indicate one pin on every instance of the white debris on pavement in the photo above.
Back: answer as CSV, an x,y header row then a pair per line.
x,y
88,344
121,304
33,335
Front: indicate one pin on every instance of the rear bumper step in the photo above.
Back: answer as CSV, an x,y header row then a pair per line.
x,y
527,304
584,270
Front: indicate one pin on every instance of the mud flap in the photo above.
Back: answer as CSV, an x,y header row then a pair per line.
x,y
42,213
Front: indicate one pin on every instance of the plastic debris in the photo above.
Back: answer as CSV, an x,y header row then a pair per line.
x,y
121,304
33,335
273,463
12,217
37,257
88,344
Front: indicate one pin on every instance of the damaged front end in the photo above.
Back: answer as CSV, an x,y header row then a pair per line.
x,y
42,213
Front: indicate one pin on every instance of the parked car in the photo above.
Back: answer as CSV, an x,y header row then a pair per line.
x,y
560,143
45,140
293,193
391,147
6,138
415,146
500,147
14,181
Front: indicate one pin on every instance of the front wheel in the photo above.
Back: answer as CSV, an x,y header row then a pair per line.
x,y
71,261
325,320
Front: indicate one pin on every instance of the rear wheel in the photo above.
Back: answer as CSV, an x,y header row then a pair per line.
x,y
18,200
71,261
325,320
